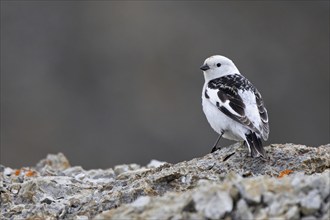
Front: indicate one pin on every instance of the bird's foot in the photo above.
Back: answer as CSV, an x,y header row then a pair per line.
x,y
215,148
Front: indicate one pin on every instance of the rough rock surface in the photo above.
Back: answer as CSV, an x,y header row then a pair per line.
x,y
293,183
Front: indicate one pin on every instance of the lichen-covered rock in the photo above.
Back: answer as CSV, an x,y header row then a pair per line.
x,y
212,200
226,184
53,163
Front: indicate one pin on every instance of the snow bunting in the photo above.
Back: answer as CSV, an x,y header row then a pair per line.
x,y
233,106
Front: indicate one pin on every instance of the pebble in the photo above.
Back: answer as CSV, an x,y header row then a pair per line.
x,y
311,203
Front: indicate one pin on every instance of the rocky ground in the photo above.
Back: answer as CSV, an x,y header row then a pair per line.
x,y
293,183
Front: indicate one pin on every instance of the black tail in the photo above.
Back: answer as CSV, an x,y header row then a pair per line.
x,y
254,143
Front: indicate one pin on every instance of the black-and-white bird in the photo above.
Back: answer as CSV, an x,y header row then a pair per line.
x,y
233,106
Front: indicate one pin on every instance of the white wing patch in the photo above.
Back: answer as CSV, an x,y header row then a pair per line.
x,y
215,100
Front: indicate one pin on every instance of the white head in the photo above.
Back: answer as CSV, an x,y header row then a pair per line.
x,y
217,66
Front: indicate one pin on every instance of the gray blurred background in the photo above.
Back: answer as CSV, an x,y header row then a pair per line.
x,y
109,82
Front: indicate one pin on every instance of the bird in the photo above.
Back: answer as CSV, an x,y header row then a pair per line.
x,y
233,106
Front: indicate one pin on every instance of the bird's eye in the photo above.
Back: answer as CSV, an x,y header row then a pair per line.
x,y
218,64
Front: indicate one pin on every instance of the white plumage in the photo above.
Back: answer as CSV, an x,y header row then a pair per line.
x,y
232,105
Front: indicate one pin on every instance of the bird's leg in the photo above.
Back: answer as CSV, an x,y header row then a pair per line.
x,y
215,148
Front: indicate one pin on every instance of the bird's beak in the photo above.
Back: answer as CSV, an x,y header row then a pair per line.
x,y
204,67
